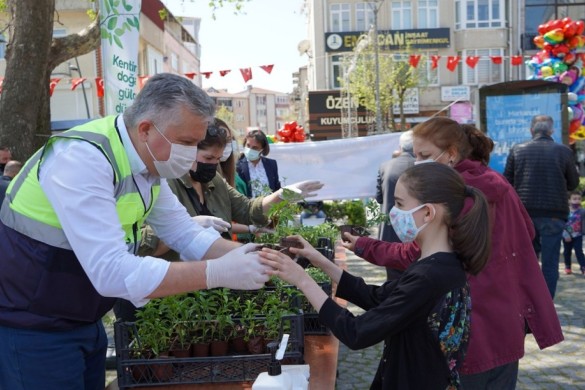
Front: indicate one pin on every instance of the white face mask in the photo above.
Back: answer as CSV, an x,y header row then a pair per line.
x,y
227,152
180,160
251,154
430,160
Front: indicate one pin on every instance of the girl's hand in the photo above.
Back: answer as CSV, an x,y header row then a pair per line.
x,y
282,266
348,241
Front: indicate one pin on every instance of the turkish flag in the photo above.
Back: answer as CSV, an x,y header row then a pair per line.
x,y
75,82
52,85
452,62
224,72
471,61
142,80
190,75
206,74
413,60
435,61
516,60
267,68
496,59
246,74
99,83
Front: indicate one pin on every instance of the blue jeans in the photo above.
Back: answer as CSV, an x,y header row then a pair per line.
x,y
53,360
576,244
499,378
547,244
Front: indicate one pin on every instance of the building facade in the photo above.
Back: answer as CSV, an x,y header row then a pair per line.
x,y
492,30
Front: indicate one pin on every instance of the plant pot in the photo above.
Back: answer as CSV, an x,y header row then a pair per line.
x,y
219,347
353,230
200,349
162,372
239,345
256,345
141,373
182,352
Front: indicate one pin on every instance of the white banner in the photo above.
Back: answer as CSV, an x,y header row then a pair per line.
x,y
348,167
120,29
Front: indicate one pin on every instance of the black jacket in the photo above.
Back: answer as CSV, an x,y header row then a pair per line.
x,y
542,172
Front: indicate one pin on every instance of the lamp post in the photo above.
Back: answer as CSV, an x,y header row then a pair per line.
x,y
377,4
77,69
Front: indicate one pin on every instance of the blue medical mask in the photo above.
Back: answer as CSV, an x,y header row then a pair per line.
x,y
403,223
251,154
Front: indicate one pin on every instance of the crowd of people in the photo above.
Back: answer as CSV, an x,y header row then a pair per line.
x,y
159,200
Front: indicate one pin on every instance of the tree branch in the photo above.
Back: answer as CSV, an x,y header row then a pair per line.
x,y
74,45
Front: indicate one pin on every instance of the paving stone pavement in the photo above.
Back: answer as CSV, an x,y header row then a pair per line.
x,y
561,367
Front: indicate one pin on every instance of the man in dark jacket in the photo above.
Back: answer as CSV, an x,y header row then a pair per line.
x,y
388,175
11,169
542,172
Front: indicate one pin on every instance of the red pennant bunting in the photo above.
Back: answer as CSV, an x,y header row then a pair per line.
x,y
52,85
516,60
267,68
224,72
435,61
75,82
99,83
142,80
246,74
1,83
496,59
413,60
452,62
471,61
206,74
190,75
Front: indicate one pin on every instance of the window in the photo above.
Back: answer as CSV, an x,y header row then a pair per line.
x,y
239,103
261,100
239,117
174,61
340,15
428,13
479,14
485,72
364,15
427,73
336,71
401,14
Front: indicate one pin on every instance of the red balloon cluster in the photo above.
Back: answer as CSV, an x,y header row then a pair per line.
x,y
291,132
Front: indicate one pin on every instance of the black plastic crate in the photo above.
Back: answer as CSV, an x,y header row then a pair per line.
x,y
312,325
133,372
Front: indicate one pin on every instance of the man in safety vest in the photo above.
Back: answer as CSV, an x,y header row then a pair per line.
x,y
70,227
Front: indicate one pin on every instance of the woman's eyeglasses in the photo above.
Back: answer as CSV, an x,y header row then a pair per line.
x,y
216,131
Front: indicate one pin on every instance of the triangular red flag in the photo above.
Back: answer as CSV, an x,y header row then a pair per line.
x,y
267,68
516,60
99,83
75,82
142,80
452,62
224,72
206,74
496,59
246,74
190,75
471,61
52,85
435,61
1,83
413,60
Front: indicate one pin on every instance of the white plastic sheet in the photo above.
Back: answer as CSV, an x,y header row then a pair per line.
x,y
348,167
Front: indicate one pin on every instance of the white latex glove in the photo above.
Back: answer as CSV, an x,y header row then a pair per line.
x,y
239,269
255,229
210,221
301,190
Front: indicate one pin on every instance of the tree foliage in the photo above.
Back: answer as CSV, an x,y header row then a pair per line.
x,y
31,56
396,76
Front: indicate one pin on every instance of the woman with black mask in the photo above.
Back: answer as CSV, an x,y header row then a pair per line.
x,y
211,200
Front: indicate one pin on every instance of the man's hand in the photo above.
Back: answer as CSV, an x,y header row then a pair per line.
x,y
210,221
239,269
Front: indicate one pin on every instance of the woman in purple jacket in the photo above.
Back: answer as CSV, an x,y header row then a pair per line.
x,y
509,296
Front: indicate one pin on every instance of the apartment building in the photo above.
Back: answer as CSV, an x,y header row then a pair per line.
x,y
493,30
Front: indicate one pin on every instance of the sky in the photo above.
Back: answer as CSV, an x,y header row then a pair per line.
x,y
267,32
